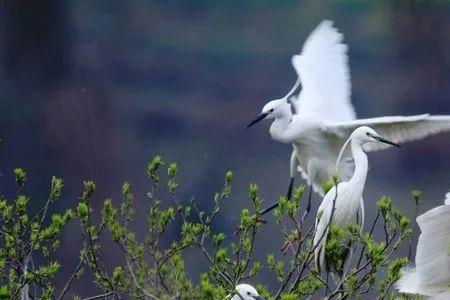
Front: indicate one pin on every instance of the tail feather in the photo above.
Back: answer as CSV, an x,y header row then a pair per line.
x,y
441,296
410,282
319,258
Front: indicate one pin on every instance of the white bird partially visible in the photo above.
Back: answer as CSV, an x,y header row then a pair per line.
x,y
348,201
431,275
319,120
246,292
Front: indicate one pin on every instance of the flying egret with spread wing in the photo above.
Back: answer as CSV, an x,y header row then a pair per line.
x,y
319,120
341,204
431,275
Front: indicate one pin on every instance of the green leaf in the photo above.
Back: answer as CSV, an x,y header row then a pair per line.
x,y
20,175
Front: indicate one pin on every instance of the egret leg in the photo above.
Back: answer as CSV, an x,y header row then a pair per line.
x,y
308,206
266,210
289,192
288,197
292,171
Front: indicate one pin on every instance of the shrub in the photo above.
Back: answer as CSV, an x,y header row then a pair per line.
x,y
151,269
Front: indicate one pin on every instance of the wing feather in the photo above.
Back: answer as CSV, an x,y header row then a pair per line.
x,y
431,275
330,138
322,229
324,72
432,257
447,199
399,129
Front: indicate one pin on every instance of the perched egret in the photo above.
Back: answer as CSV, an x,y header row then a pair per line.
x,y
349,199
246,292
319,120
431,275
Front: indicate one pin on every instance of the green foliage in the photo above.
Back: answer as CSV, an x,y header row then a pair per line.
x,y
21,176
154,261
25,235
416,195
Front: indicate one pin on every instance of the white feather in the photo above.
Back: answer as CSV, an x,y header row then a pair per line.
x,y
409,282
441,296
346,211
324,116
246,292
447,199
398,129
431,275
324,73
346,197
317,145
322,229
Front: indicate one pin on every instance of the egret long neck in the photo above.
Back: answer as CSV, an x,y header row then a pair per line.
x,y
279,127
361,166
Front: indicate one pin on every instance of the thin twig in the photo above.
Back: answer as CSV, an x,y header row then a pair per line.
x,y
99,296
133,276
72,277
370,235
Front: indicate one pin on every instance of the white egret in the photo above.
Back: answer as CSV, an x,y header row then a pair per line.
x,y
246,292
319,120
431,275
349,199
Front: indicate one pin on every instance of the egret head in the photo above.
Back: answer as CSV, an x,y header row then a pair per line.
x,y
274,109
365,134
362,135
246,292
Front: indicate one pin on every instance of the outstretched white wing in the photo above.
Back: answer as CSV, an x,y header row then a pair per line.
x,y
324,73
317,163
431,275
398,129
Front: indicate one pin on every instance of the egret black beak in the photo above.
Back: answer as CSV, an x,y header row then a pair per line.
x,y
257,119
260,298
383,140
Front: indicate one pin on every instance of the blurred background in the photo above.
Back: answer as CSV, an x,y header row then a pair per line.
x,y
94,89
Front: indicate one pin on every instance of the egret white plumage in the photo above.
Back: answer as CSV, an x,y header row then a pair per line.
x,y
246,292
319,120
431,275
349,199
